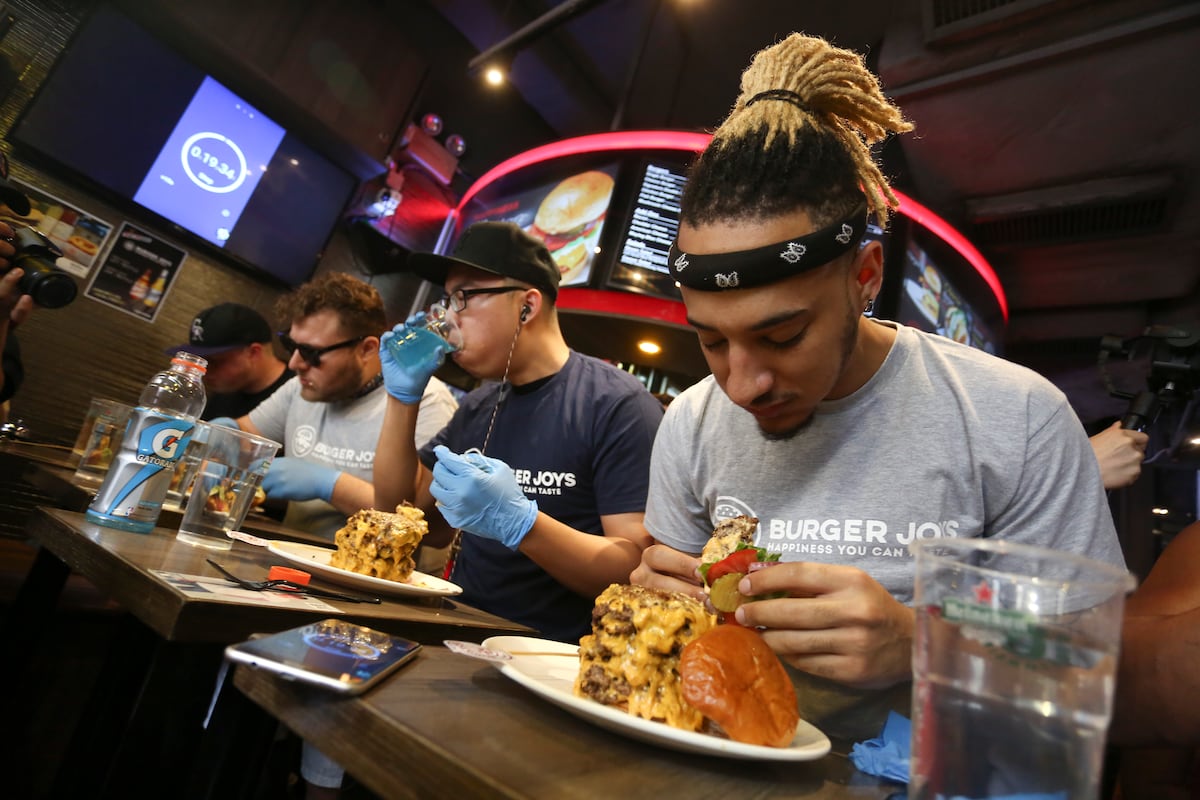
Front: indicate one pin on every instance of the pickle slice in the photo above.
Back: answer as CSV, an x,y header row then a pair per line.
x,y
724,594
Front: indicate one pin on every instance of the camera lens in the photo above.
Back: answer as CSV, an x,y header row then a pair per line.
x,y
48,287
43,281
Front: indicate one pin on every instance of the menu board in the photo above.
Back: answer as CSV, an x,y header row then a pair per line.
x,y
653,225
567,216
930,302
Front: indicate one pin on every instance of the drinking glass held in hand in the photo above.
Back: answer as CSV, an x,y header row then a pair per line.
x,y
412,352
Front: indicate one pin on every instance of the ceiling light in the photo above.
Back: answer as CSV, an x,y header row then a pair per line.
x,y
431,124
649,348
456,145
494,76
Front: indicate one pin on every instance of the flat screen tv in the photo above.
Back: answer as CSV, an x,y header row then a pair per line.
x,y
567,214
653,223
135,118
929,301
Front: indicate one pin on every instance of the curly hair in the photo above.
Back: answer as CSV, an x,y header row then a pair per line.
x,y
799,136
357,304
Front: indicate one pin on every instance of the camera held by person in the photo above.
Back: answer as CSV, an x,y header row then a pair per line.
x,y
49,286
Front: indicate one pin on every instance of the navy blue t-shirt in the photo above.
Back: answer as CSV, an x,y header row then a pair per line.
x,y
580,445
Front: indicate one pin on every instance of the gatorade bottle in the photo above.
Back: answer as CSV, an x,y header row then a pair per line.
x,y
158,432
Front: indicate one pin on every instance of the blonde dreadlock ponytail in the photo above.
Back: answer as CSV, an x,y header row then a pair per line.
x,y
799,135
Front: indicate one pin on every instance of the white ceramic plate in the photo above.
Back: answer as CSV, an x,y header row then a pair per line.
x,y
316,560
548,669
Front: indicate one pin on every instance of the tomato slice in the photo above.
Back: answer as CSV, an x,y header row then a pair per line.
x,y
738,561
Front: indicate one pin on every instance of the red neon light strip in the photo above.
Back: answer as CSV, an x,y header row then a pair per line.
x,y
943,230
695,142
627,304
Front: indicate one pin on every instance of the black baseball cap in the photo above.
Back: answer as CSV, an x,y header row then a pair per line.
x,y
10,195
500,248
224,327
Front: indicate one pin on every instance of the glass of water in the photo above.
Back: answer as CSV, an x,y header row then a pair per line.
x,y
225,482
1013,667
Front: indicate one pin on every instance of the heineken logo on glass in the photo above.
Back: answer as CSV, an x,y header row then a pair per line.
x,y
1019,635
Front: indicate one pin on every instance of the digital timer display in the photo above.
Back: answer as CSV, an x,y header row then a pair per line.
x,y
211,163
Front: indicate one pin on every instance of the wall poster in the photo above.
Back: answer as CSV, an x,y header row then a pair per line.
x,y
137,273
78,234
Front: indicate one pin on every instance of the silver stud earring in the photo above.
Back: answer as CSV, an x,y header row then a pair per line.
x,y
870,306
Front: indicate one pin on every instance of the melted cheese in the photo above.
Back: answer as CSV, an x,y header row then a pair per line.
x,y
380,544
637,635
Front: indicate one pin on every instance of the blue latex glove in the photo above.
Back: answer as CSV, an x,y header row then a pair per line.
x,y
407,368
888,755
481,496
295,479
225,422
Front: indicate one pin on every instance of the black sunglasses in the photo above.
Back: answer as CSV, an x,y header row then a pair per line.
x,y
312,355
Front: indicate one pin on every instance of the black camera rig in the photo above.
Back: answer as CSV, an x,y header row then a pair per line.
x,y
1174,376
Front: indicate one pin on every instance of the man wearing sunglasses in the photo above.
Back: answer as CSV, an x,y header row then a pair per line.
x,y
328,416
552,507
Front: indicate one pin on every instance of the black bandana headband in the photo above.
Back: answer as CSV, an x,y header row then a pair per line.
x,y
745,269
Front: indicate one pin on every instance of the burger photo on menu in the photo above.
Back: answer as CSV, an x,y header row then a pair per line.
x,y
569,220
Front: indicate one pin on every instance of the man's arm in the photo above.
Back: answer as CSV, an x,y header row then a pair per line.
x,y
583,562
1158,687
1119,452
399,476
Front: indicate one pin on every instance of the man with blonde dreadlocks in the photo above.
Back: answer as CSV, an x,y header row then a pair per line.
x,y
846,437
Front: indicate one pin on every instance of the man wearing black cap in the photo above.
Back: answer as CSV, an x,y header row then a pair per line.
x,y
243,369
552,506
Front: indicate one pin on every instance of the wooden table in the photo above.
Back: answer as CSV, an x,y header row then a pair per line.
x,y
156,685
120,564
451,726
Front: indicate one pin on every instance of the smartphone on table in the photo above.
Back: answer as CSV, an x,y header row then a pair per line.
x,y
333,653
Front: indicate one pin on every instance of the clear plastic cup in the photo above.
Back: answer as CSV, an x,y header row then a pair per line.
x,y
99,439
1013,666
180,488
226,479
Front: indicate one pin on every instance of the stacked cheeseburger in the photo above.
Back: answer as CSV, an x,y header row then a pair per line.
x,y
662,656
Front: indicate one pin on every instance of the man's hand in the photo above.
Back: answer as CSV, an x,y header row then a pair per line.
x,y
293,479
668,569
1120,452
407,381
836,622
481,496
15,306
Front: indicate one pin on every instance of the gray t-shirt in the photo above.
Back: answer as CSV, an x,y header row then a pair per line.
x,y
943,440
342,435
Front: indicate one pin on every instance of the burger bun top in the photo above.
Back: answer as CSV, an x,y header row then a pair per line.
x,y
732,676
576,201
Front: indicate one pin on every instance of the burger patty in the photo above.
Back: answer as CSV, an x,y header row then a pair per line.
x,y
726,537
631,657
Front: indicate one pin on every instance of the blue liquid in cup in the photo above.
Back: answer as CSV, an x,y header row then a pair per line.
x,y
418,347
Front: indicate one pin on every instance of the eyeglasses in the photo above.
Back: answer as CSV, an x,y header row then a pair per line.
x,y
312,355
457,301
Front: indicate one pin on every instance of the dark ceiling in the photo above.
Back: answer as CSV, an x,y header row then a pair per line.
x,y
1061,136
